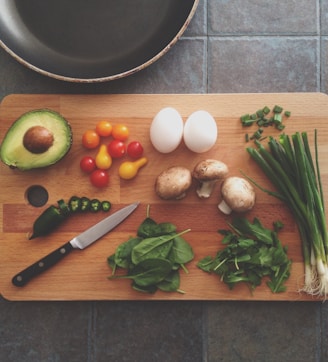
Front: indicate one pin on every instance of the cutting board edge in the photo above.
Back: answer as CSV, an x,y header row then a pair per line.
x,y
53,96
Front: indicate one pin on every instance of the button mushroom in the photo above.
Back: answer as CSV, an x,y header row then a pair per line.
x,y
238,195
208,173
173,183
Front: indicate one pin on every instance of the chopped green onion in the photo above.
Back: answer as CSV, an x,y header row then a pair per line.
x,y
262,119
260,113
248,122
277,109
277,118
266,110
245,117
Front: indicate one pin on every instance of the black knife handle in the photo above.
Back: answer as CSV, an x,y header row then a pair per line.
x,y
41,265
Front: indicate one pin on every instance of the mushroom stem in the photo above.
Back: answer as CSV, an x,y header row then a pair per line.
x,y
225,208
205,188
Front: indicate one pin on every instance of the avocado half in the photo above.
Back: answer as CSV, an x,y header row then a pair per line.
x,y
38,138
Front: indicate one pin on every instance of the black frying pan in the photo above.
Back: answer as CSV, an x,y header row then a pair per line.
x,y
91,40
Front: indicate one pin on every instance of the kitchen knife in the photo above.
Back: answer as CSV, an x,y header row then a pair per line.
x,y
79,242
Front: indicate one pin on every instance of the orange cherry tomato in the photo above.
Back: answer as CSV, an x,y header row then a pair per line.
x,y
120,132
104,128
90,139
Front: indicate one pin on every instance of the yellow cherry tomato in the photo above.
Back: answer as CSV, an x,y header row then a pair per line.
x,y
129,169
103,158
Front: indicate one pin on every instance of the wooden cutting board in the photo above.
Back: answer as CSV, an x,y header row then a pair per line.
x,y
83,275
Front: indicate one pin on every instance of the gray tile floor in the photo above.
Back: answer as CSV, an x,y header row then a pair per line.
x,y
231,46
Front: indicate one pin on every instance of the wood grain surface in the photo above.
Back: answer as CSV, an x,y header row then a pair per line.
x,y
83,275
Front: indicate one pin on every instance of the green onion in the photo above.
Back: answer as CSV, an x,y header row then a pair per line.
x,y
289,165
262,118
277,109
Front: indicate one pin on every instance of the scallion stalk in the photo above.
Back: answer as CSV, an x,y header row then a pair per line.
x,y
289,165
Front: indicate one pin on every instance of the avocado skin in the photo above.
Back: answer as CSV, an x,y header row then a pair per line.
x,y
12,151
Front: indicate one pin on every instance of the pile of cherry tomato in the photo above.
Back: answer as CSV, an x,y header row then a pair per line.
x,y
97,166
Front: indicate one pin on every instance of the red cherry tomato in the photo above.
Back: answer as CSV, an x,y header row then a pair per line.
x,y
116,148
87,164
135,149
99,178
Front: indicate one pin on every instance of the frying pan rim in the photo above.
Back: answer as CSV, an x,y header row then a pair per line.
x,y
111,77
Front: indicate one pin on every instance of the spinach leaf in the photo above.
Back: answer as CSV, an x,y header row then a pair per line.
x,y
147,272
146,228
153,247
151,289
181,251
123,252
149,228
152,258
171,282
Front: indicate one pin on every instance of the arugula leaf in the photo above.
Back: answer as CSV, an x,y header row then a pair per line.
x,y
251,253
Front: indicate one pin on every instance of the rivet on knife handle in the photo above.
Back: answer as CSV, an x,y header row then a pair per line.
x,y
20,279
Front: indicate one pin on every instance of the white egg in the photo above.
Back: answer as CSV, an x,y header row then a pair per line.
x,y
166,130
200,131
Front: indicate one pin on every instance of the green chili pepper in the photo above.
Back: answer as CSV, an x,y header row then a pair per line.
x,y
47,221
74,204
53,216
95,205
85,204
63,207
106,206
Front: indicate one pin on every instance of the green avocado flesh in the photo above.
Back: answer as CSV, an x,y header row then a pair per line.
x,y
38,138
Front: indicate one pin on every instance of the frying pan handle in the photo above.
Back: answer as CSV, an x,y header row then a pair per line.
x,y
23,277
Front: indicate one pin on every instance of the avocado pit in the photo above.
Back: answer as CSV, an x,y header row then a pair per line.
x,y
38,139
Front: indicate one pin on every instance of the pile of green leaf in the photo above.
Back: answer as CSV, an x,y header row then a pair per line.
x,y
251,253
153,258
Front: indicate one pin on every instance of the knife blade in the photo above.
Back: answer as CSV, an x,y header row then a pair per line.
x,y
81,241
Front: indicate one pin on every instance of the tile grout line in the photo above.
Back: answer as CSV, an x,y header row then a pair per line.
x,y
91,336
206,72
204,332
319,347
319,60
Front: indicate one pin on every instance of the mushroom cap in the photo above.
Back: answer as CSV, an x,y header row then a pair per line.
x,y
238,193
208,170
173,183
